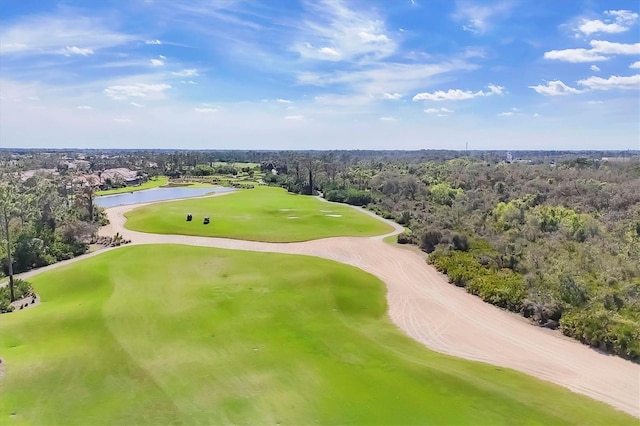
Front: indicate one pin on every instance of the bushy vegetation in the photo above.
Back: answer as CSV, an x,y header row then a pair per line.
x,y
44,220
557,241
564,226
22,289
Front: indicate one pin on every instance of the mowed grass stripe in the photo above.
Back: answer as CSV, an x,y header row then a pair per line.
x,y
260,214
164,334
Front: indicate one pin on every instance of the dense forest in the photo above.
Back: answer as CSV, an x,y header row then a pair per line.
x,y
554,236
43,220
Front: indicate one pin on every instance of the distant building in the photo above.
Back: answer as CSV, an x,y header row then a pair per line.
x,y
124,175
38,172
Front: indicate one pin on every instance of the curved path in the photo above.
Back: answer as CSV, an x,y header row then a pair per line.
x,y
444,317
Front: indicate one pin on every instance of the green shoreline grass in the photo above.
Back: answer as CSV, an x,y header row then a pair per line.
x,y
168,334
152,183
260,214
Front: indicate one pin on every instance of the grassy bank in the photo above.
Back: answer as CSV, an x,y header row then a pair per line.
x,y
175,334
152,183
260,214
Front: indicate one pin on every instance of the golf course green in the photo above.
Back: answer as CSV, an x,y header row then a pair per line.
x,y
260,214
171,334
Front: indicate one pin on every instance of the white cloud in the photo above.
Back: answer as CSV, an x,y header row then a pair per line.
x,y
338,33
156,42
391,96
438,111
192,72
497,90
75,50
294,117
625,16
373,38
506,114
611,48
457,94
135,104
206,109
140,90
388,119
84,107
478,19
597,26
574,55
554,88
284,101
157,62
329,51
631,82
594,68
622,21
635,65
123,120
594,102
599,48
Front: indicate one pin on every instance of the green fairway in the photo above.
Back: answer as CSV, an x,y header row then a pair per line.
x,y
152,183
260,214
229,337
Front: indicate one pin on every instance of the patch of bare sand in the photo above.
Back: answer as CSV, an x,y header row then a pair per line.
x,y
447,319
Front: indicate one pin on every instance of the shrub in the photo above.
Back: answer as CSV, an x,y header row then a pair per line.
x,y
407,237
430,240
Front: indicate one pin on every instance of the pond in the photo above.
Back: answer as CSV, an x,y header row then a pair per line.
x,y
155,194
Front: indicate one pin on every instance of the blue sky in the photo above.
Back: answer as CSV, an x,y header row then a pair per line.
x,y
376,74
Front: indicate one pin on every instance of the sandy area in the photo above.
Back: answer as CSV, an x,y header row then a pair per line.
x,y
445,318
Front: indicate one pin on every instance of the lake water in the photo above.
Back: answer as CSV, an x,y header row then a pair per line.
x,y
155,194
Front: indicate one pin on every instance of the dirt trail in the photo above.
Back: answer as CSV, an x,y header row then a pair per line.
x,y
445,318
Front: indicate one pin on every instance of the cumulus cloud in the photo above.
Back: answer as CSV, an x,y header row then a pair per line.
x,y
635,65
157,62
616,21
631,82
388,119
284,101
599,49
506,114
574,55
554,88
457,94
611,48
140,90
594,68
